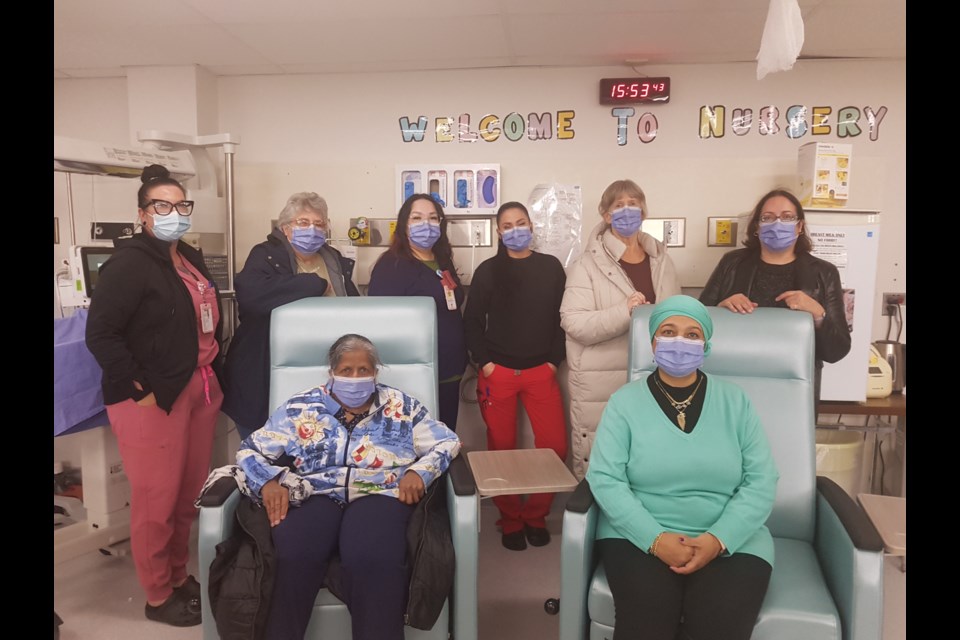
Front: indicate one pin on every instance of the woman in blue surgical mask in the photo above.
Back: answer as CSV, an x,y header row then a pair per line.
x,y
514,337
154,327
338,469
419,262
621,267
684,477
294,262
775,269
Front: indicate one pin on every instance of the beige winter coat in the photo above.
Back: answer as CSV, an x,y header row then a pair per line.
x,y
595,318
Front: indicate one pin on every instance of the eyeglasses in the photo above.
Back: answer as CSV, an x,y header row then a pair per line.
x,y
786,216
163,208
303,223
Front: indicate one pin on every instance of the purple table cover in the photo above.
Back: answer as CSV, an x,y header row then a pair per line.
x,y
77,395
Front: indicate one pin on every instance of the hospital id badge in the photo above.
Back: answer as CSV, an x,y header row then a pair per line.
x,y
206,317
451,299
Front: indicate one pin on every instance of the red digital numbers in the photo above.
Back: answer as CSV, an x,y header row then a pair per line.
x,y
633,90
629,90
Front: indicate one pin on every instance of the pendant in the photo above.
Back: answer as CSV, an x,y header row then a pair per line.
x,y
682,420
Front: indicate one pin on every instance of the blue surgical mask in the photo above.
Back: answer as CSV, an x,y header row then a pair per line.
x,y
170,227
627,220
353,392
425,234
778,235
517,239
679,356
308,240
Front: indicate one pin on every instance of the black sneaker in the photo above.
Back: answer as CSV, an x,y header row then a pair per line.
x,y
514,541
180,610
190,587
537,536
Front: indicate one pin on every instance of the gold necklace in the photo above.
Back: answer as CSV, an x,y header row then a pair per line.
x,y
681,407
305,268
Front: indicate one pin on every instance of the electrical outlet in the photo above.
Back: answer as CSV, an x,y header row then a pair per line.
x,y
892,300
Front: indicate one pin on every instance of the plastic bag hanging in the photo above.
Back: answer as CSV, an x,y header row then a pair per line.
x,y
782,38
556,213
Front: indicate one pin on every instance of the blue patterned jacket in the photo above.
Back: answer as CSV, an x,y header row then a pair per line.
x,y
397,436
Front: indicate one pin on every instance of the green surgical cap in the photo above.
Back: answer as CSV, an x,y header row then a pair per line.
x,y
682,306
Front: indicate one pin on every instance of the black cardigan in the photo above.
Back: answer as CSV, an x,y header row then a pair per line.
x,y
142,324
817,278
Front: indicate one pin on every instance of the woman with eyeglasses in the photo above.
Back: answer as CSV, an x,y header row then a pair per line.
x,y
775,269
154,327
419,262
294,262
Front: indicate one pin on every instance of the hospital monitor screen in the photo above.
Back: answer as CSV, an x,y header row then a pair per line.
x,y
92,259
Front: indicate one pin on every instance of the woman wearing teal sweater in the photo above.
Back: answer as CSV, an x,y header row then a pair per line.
x,y
685,480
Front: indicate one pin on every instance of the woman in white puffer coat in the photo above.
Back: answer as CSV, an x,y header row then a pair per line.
x,y
621,267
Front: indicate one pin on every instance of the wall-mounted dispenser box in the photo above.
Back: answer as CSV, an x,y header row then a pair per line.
x,y
461,189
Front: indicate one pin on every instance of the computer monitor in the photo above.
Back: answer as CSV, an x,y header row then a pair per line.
x,y
91,259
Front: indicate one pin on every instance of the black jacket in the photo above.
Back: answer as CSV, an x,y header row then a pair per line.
x,y
242,574
269,279
431,547
817,278
142,324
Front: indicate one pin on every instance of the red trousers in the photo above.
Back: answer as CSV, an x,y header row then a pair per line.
x,y
166,458
497,394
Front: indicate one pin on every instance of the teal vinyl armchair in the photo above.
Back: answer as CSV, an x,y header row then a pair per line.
x,y
405,332
827,581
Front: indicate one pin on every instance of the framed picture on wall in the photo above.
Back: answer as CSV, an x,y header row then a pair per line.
x,y
721,232
670,231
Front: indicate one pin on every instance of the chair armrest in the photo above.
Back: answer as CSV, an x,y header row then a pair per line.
x,y
581,499
463,505
851,556
854,519
218,493
462,478
217,507
577,562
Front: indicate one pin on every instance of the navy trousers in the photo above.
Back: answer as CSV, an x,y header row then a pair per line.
x,y
369,534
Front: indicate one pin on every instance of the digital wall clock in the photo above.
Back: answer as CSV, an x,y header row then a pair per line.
x,y
634,90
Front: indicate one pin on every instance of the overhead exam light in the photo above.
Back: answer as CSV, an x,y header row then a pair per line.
x,y
782,38
92,158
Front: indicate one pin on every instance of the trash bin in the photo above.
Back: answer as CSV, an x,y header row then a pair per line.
x,y
840,458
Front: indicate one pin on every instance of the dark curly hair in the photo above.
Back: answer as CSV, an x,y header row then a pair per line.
x,y
400,245
752,241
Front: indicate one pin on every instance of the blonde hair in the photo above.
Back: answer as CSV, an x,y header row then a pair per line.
x,y
618,188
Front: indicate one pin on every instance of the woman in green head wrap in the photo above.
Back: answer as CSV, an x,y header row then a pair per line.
x,y
684,477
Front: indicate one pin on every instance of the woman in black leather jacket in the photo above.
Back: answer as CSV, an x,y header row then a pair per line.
x,y
775,269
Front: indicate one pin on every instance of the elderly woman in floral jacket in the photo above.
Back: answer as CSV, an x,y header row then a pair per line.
x,y
367,452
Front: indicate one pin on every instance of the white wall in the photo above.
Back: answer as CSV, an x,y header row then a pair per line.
x,y
339,135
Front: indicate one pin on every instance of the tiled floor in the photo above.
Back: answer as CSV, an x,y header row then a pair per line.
x,y
99,598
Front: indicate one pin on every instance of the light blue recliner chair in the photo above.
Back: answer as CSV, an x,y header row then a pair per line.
x,y
827,581
405,332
